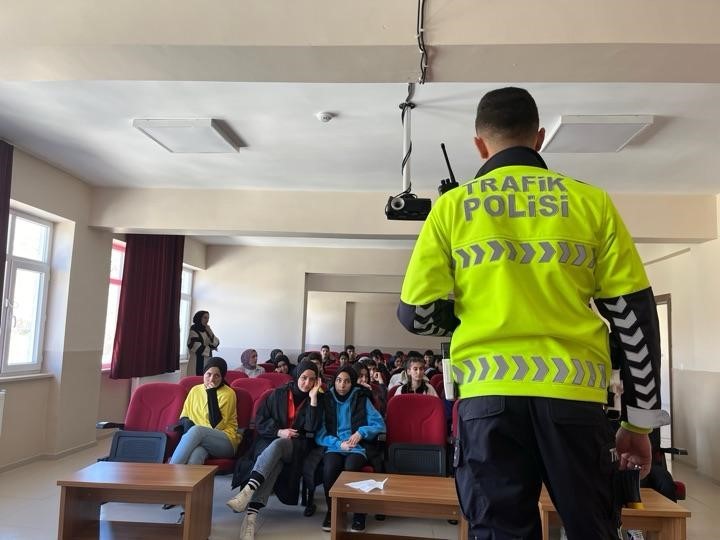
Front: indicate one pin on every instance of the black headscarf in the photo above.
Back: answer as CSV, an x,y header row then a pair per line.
x,y
197,324
353,382
273,354
214,414
298,395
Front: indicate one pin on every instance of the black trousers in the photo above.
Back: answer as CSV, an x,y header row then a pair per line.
x,y
508,446
334,463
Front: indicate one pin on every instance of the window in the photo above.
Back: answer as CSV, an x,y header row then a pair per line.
x,y
27,274
185,301
117,260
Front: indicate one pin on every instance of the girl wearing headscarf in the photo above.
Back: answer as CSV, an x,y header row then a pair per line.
x,y
248,361
201,341
283,423
274,354
350,422
208,418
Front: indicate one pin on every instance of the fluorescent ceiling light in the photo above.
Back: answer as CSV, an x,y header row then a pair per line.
x,y
579,134
190,135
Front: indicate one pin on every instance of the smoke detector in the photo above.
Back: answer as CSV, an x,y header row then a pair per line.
x,y
325,116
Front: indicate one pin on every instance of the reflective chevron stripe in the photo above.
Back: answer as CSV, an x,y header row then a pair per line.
x,y
492,251
424,323
635,347
534,369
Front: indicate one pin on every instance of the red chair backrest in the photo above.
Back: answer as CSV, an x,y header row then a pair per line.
x,y
415,419
188,382
244,407
276,379
268,367
393,391
154,407
260,401
436,381
254,386
232,375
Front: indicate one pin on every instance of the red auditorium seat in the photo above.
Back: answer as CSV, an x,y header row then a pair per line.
x,y
255,386
276,379
416,435
186,383
233,375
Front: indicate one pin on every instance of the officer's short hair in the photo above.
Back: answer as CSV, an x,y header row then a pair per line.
x,y
508,113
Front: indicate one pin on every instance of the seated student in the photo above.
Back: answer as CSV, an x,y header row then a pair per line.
x,y
350,351
282,364
349,422
325,355
274,354
343,359
284,419
316,359
378,391
431,364
209,418
398,376
417,383
248,361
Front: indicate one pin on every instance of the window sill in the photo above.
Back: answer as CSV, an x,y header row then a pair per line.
x,y
25,377
183,361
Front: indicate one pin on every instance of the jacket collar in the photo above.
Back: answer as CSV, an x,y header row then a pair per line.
x,y
515,155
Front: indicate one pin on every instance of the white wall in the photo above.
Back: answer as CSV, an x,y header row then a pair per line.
x,y
691,280
57,414
256,295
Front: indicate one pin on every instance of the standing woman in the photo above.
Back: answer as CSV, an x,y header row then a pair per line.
x,y
209,419
349,423
248,361
201,341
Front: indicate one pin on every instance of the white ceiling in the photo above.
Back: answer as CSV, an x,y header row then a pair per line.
x,y
85,128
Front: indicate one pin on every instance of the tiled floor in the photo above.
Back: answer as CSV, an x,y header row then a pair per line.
x,y
29,503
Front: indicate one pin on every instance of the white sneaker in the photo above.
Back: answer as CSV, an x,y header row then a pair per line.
x,y
240,501
634,534
247,529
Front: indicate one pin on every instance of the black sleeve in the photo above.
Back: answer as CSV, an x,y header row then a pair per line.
x,y
265,423
636,334
434,319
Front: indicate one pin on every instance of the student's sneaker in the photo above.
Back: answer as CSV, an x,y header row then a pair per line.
x,y
358,523
326,522
635,535
247,529
240,501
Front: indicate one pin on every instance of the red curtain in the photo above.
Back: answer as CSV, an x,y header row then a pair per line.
x,y
148,333
6,160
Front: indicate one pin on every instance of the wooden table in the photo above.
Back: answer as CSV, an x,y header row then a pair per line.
x,y
661,518
403,495
83,492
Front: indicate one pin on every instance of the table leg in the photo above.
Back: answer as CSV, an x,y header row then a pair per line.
x,y
77,513
463,528
545,524
337,518
672,529
198,511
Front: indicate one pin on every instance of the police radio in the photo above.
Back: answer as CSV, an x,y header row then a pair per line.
x,y
447,184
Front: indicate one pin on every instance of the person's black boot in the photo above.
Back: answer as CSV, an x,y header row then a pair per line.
x,y
326,522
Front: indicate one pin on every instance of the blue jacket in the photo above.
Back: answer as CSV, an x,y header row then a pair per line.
x,y
342,419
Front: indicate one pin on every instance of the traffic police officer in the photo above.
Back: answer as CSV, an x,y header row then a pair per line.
x,y
525,249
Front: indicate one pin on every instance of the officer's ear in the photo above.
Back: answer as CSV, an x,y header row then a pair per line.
x,y
482,147
540,139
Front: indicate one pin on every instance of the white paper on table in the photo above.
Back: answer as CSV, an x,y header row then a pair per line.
x,y
366,486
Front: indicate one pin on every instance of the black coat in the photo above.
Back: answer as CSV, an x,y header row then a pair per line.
x,y
271,417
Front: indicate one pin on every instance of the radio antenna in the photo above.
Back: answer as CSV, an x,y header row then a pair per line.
x,y
447,162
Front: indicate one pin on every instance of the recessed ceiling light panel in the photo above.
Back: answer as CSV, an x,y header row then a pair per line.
x,y
190,135
585,133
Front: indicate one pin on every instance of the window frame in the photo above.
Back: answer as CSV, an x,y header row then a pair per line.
x,y
119,245
185,329
14,263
